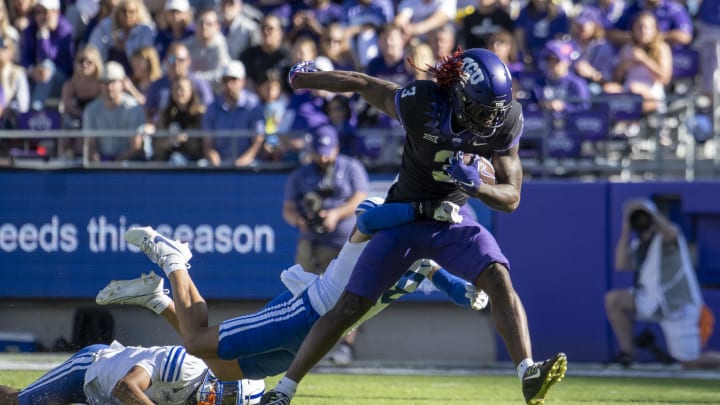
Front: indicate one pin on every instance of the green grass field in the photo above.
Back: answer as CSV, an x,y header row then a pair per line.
x,y
327,389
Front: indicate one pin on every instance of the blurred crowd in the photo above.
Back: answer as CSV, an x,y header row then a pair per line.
x,y
199,71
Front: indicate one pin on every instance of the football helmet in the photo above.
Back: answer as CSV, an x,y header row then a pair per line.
x,y
482,99
212,391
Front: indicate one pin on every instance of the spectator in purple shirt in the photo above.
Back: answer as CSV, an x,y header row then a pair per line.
x,y
179,25
305,108
561,90
390,66
363,19
596,56
335,46
673,22
177,64
539,22
610,11
48,51
313,20
236,108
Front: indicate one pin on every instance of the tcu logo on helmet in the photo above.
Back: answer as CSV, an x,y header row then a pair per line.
x,y
472,71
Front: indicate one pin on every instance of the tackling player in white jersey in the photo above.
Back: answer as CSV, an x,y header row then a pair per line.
x,y
264,343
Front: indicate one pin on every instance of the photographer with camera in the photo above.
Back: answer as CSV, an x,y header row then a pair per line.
x,y
666,290
320,198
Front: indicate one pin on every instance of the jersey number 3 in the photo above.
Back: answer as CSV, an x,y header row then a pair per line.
x,y
408,92
442,156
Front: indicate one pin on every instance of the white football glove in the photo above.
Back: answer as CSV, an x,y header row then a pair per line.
x,y
478,299
448,211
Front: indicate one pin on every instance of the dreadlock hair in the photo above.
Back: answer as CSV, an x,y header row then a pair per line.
x,y
448,72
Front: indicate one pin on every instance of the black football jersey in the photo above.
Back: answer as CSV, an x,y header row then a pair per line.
x,y
425,112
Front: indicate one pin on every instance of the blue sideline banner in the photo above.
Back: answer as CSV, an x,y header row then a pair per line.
x,y
61,232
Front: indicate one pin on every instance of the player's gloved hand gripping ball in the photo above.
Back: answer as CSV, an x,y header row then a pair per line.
x,y
306,66
465,175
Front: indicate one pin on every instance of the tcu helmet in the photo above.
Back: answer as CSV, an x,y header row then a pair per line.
x,y
212,391
482,99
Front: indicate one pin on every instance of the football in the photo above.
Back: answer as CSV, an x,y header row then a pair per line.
x,y
485,167
487,171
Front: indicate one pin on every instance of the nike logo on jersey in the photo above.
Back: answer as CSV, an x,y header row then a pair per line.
x,y
476,143
431,138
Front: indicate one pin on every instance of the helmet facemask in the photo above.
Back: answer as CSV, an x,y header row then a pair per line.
x,y
215,392
481,119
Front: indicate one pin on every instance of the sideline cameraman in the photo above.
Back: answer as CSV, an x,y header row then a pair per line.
x,y
666,288
320,198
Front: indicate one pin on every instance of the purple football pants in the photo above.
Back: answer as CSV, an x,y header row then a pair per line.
x,y
464,249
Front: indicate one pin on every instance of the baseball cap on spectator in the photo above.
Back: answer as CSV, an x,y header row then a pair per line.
x,y
113,71
234,69
589,14
179,5
324,140
48,4
561,50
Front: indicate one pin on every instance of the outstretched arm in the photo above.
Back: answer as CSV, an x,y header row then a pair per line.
x,y
378,93
131,388
393,214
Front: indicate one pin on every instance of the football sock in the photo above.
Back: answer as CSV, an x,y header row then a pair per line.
x,y
453,286
173,262
524,366
158,303
286,386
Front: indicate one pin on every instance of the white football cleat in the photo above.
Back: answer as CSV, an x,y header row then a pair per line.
x,y
169,254
146,291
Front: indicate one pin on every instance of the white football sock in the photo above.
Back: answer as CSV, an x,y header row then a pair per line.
x,y
158,303
286,386
174,262
524,366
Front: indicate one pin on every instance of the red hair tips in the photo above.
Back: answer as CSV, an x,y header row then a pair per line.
x,y
447,72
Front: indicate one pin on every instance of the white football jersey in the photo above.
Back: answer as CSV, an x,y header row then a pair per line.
x,y
174,373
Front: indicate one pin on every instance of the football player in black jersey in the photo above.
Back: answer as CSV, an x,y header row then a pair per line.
x,y
467,109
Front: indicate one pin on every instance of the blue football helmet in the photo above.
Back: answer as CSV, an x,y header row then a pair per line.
x,y
483,98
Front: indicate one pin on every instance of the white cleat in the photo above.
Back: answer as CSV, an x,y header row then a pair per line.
x,y
146,291
169,254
